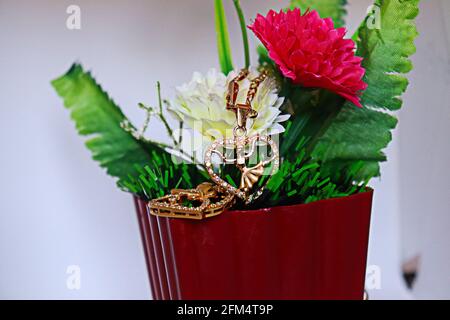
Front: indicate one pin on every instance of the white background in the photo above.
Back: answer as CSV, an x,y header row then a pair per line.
x,y
58,208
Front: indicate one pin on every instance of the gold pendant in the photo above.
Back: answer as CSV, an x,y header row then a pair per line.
x,y
249,175
242,145
206,201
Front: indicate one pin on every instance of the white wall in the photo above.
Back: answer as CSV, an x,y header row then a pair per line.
x,y
424,154
57,207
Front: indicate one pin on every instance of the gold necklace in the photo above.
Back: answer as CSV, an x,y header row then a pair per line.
x,y
209,200
244,146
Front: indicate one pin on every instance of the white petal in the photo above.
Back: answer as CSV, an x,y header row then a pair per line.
x,y
276,128
279,102
282,117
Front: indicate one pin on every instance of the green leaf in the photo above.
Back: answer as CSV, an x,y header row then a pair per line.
x,y
334,9
386,52
98,117
223,41
355,135
361,134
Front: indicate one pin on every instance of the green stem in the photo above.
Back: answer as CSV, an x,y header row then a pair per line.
x,y
223,41
161,115
148,115
240,14
158,89
180,136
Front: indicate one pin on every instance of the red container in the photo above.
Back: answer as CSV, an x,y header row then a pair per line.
x,y
309,251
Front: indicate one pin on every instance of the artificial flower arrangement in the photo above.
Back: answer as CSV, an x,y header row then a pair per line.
x,y
316,108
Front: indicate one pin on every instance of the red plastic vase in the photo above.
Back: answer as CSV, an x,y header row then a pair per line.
x,y
308,251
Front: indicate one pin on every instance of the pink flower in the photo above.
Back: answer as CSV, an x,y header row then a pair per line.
x,y
311,52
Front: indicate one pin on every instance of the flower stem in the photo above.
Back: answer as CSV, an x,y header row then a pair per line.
x,y
161,115
240,14
180,136
148,111
223,41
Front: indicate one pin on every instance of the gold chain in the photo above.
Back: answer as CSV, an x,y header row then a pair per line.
x,y
243,111
254,84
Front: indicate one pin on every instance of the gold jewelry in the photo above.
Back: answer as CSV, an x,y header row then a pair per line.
x,y
243,145
209,200
206,201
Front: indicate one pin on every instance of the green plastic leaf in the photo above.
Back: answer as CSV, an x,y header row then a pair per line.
x,y
355,136
334,9
386,52
361,134
98,117
223,41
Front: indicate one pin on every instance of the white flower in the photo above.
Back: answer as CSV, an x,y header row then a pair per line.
x,y
201,103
